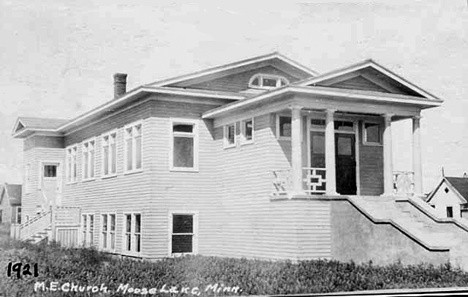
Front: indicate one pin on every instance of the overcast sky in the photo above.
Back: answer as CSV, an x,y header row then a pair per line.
x,y
57,58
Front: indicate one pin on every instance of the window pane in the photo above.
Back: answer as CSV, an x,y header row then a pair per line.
x,y
182,243
183,152
138,152
137,243
372,132
186,128
317,122
230,134
106,160
91,163
113,158
269,82
128,224
128,242
256,82
137,223
318,144
344,126
129,154
50,171
112,243
345,146
85,163
182,224
104,223
248,128
285,126
112,222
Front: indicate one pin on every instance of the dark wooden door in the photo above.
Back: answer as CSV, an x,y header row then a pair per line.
x,y
345,150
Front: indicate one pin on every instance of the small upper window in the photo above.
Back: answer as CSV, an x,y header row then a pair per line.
x,y
266,81
372,133
247,131
50,171
230,135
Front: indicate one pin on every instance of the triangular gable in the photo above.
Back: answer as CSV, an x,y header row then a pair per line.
x,y
274,59
446,182
368,75
18,126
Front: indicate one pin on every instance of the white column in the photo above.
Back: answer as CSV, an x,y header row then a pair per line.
x,y
296,152
387,155
417,164
330,153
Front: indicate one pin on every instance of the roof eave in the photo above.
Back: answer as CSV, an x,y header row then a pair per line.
x,y
423,104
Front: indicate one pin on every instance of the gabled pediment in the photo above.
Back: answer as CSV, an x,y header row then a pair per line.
x,y
368,76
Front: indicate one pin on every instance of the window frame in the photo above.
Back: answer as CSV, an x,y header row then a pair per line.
x,y
225,135
73,164
108,232
125,158
87,233
132,251
110,174
278,130
195,134
44,164
244,140
194,215
364,134
262,76
83,151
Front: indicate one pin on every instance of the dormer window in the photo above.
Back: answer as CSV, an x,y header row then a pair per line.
x,y
266,81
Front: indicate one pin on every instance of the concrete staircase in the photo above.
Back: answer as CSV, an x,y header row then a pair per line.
x,y
416,219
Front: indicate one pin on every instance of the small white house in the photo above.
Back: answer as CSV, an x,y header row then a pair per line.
x,y
450,198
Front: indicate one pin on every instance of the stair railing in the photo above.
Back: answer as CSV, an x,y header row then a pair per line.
x,y
37,224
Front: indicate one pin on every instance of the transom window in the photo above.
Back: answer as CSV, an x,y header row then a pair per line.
x,y
109,154
71,164
267,81
88,159
184,145
132,147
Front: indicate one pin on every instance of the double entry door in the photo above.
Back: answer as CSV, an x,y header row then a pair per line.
x,y
345,159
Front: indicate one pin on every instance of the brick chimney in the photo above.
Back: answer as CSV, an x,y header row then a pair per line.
x,y
120,84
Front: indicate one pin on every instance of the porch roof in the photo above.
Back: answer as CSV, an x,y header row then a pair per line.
x,y
355,95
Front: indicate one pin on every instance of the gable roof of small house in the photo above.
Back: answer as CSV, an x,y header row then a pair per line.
x,y
459,186
12,192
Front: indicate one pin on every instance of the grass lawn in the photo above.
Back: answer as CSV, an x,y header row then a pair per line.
x,y
76,269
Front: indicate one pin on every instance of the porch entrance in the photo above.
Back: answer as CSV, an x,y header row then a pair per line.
x,y
345,153
345,159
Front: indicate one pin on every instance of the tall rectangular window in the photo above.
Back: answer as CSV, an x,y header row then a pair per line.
x,y
88,159
283,127
108,232
133,147
87,229
71,164
449,212
247,131
109,154
184,145
132,236
183,233
230,135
